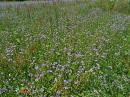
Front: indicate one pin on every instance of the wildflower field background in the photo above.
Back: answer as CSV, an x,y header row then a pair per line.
x,y
65,49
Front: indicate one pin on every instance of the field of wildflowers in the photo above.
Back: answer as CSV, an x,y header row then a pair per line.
x,y
74,49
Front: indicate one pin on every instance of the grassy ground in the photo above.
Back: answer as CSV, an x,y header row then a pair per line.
x,y
79,49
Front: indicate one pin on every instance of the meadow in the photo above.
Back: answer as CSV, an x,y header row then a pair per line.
x,y
70,49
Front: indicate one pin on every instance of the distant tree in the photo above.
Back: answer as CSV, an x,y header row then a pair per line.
x,y
13,0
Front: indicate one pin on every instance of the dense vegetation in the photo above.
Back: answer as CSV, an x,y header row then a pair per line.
x,y
77,49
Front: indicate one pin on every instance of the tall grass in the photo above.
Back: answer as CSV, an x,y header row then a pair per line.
x,y
116,5
76,49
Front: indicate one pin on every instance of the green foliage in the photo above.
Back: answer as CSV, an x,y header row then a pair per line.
x,y
106,4
116,5
78,49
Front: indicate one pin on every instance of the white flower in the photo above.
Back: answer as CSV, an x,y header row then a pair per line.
x,y
36,67
2,90
43,64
